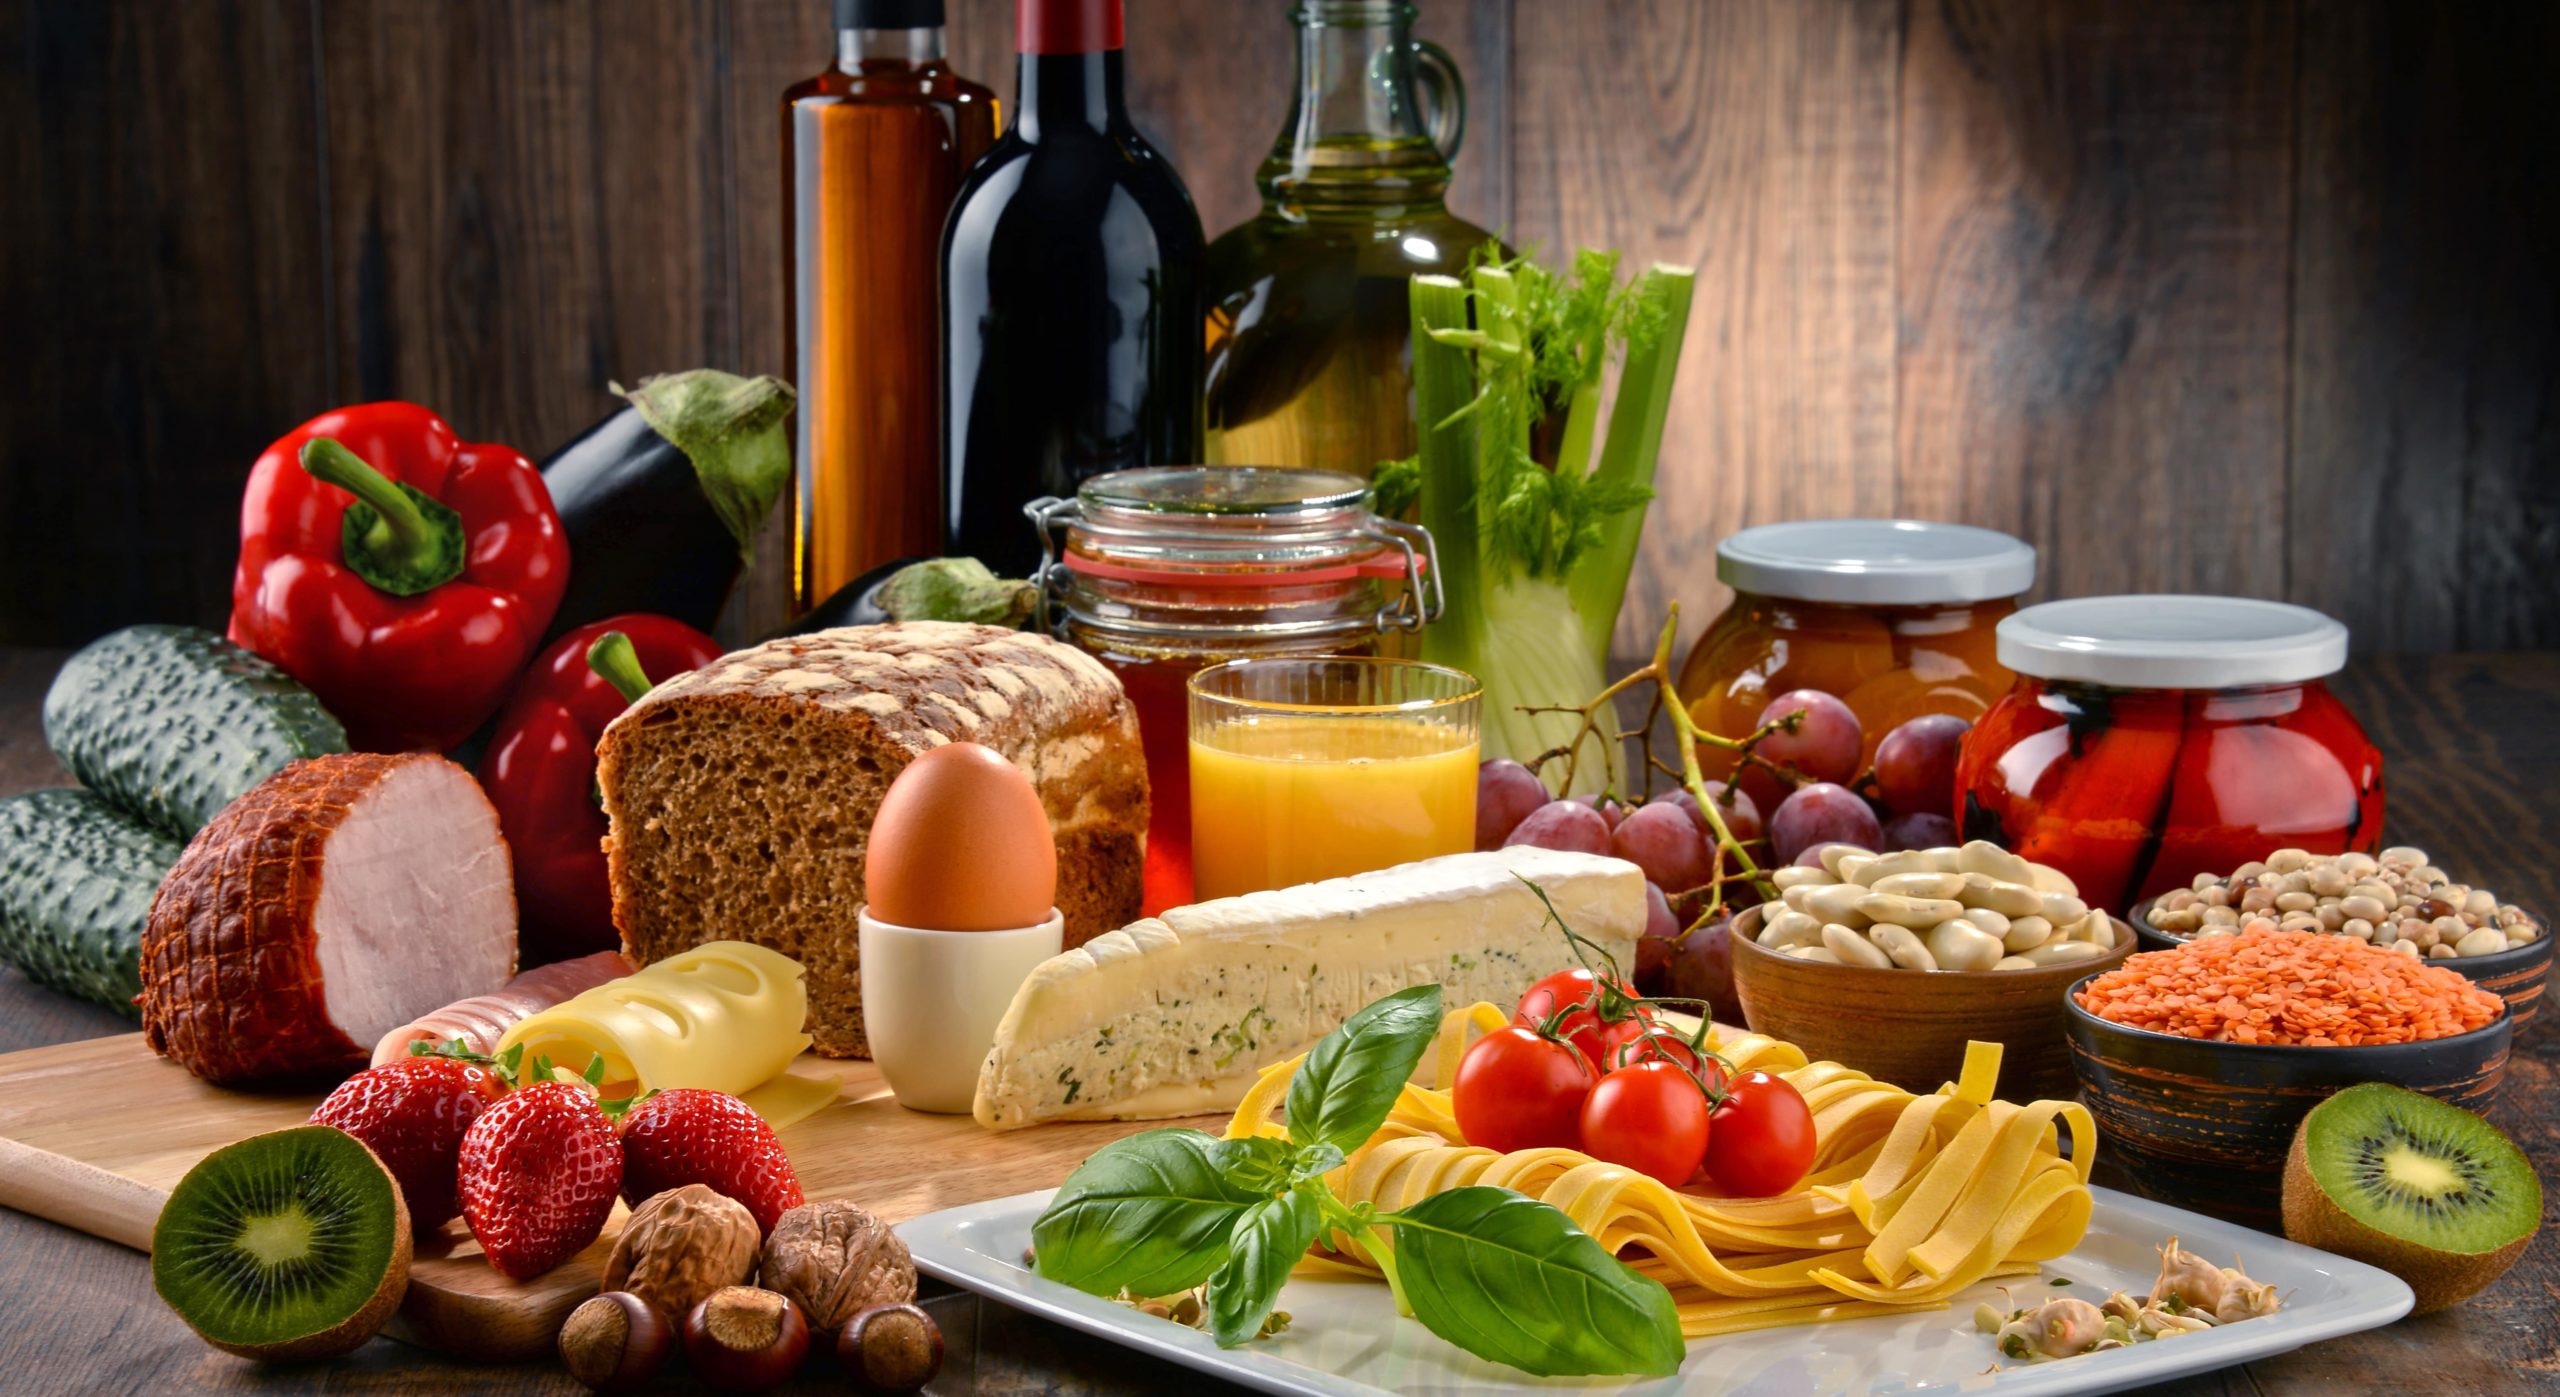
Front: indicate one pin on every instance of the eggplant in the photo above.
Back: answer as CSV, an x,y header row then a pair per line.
x,y
856,603
921,589
662,500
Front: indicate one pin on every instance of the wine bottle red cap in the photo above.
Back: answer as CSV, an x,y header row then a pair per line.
x,y
1066,26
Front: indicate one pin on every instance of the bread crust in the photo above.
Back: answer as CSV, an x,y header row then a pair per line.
x,y
795,741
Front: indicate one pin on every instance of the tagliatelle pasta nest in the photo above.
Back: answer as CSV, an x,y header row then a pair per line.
x,y
1911,1199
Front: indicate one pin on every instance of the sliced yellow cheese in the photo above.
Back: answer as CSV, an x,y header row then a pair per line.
x,y
725,1015
793,1096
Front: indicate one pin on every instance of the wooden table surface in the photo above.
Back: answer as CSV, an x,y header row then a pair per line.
x,y
2472,751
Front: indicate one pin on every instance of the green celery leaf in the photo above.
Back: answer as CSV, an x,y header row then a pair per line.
x,y
1150,1214
1394,486
1353,1075
1268,1240
1511,1279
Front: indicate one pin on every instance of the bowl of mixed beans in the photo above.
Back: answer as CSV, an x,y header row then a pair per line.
x,y
2398,899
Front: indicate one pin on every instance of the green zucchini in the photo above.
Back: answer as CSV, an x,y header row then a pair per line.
x,y
172,723
76,883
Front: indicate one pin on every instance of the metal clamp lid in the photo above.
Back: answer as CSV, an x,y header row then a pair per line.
x,y
1395,549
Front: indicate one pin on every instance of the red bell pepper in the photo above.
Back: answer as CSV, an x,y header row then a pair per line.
x,y
402,574
541,772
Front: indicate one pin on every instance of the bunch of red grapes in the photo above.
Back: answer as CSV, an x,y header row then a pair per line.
x,y
1816,798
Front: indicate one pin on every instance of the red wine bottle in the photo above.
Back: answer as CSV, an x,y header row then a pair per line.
x,y
1071,294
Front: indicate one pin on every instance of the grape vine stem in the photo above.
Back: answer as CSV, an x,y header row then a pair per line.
x,y
1598,719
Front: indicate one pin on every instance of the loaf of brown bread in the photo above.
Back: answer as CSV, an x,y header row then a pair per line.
x,y
741,796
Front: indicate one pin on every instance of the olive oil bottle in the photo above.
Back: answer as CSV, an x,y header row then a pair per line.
x,y
1308,356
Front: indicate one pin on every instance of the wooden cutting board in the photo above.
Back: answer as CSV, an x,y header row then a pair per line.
x,y
93,1135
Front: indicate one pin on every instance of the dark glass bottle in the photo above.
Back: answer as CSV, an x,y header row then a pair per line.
x,y
1071,305
1309,354
872,153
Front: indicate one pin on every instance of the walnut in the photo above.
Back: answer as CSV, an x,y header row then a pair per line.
x,y
837,1260
680,1246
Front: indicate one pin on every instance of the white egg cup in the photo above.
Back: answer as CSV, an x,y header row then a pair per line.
x,y
931,1001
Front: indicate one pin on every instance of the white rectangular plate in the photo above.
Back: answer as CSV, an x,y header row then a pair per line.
x,y
1345,1340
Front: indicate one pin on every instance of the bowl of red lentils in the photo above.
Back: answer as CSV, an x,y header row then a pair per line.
x,y
2199,1060
2398,899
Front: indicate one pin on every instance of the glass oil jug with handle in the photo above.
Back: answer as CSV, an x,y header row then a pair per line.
x,y
1309,363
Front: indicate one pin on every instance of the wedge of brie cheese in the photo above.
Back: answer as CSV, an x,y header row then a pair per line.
x,y
1174,1015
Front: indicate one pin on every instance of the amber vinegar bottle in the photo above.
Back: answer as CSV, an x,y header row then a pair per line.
x,y
872,152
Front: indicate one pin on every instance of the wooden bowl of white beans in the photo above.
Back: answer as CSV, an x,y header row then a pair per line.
x,y
1896,979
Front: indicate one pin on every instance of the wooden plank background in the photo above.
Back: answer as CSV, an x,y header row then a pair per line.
x,y
2234,295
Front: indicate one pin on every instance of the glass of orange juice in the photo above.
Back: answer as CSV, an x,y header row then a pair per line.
x,y
1314,768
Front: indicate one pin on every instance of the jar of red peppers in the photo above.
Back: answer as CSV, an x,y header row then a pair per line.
x,y
1891,616
2153,738
1160,573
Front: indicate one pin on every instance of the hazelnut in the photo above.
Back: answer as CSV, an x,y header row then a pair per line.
x,y
834,1259
894,1348
742,1339
615,1342
680,1246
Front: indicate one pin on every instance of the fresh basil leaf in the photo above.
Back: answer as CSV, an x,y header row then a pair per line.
x,y
1150,1214
1256,1162
1267,1241
1314,1162
1509,1278
1352,1076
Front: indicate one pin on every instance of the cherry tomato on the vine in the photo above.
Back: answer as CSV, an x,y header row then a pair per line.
x,y
1613,1040
1583,1027
1760,1137
1632,1042
1517,1090
1650,1117
1572,986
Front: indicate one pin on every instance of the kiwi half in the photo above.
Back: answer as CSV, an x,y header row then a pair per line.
x,y
2425,1190
285,1246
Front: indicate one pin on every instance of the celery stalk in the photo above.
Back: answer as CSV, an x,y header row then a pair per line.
x,y
1533,653
1534,561
1444,383
1633,447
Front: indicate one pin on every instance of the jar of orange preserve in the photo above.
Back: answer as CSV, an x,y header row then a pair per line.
x,y
1894,617
1161,572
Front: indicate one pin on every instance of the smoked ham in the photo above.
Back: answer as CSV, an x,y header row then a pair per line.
x,y
338,899
479,1022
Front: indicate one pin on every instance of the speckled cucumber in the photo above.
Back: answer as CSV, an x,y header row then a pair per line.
x,y
75,890
172,723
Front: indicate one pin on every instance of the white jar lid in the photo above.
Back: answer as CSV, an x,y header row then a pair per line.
x,y
1877,562
2172,642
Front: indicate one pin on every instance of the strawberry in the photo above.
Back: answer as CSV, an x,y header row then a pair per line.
x,y
538,1173
690,1136
413,1113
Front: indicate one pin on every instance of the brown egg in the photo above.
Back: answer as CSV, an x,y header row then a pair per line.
x,y
961,844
